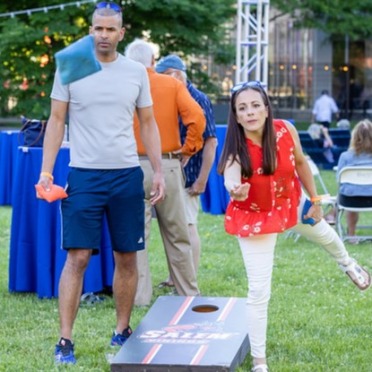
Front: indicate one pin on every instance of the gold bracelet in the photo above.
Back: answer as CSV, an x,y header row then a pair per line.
x,y
47,174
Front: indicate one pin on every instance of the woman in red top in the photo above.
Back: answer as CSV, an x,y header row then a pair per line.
x,y
264,168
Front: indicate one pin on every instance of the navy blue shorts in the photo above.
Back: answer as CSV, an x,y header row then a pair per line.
x,y
116,194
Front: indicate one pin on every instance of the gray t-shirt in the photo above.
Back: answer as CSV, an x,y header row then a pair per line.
x,y
101,108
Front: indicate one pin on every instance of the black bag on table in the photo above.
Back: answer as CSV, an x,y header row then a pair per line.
x,y
33,132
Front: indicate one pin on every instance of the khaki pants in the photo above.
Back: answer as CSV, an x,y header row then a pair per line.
x,y
171,216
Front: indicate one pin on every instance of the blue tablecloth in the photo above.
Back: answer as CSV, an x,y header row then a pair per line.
x,y
9,142
215,198
36,257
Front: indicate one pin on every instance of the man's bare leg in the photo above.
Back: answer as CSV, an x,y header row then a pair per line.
x,y
70,289
124,287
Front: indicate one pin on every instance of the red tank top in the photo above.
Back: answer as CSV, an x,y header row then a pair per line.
x,y
272,202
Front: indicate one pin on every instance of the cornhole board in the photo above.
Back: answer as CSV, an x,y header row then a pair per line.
x,y
187,334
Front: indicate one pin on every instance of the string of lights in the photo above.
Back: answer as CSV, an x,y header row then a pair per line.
x,y
45,9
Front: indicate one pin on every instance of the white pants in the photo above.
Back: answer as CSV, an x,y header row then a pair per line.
x,y
258,257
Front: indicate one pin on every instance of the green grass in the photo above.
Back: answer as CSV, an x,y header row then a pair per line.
x,y
318,320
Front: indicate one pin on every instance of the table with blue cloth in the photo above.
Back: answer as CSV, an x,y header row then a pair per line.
x,y
9,142
215,198
36,258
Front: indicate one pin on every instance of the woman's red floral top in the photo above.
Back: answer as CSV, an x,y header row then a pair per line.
x,y
271,206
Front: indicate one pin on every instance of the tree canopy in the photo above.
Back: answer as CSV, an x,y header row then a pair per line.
x,y
335,17
187,27
29,41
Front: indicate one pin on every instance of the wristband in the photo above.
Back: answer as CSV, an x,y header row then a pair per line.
x,y
47,174
316,200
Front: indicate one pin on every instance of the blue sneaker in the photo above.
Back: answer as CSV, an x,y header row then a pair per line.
x,y
64,353
118,339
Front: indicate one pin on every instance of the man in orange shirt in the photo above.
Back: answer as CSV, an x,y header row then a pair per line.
x,y
171,99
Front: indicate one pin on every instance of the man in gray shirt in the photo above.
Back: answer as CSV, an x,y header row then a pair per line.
x,y
105,177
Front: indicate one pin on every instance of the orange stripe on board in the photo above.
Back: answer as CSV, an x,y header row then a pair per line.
x,y
181,310
199,355
151,354
155,349
226,310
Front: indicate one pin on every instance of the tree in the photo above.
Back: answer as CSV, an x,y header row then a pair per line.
x,y
336,17
29,42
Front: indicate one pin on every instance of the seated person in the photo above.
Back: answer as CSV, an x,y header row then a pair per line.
x,y
358,154
343,124
320,135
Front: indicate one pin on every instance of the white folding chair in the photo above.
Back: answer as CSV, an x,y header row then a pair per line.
x,y
356,175
328,201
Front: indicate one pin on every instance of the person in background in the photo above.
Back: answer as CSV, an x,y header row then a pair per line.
x,y
199,166
264,166
323,109
105,176
343,124
359,153
171,101
320,135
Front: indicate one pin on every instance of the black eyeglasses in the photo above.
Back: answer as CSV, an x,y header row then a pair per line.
x,y
109,5
247,84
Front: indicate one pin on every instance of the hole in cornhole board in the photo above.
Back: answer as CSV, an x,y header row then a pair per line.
x,y
205,308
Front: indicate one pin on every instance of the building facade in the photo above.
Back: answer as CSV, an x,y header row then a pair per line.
x,y
303,62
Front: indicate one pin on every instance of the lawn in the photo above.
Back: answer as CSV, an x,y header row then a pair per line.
x,y
318,320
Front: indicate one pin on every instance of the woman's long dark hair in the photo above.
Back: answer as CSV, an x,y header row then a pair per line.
x,y
235,146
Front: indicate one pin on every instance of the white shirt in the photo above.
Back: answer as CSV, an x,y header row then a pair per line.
x,y
324,107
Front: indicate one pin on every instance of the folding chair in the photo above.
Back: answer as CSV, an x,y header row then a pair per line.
x,y
356,175
328,201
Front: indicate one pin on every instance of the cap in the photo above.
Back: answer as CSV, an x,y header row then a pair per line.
x,y
170,61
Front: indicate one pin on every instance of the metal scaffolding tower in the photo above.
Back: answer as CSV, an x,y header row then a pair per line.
x,y
252,41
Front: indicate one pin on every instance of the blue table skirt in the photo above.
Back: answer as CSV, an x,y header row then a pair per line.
x,y
9,142
213,201
215,198
36,257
